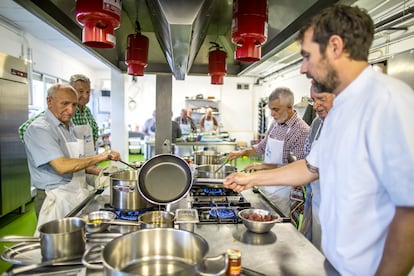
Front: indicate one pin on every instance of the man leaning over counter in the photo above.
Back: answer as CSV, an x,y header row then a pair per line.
x,y
364,157
286,135
55,155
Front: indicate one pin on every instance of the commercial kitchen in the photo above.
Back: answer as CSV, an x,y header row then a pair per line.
x,y
192,63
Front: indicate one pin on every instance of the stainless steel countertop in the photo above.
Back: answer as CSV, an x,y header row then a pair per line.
x,y
283,251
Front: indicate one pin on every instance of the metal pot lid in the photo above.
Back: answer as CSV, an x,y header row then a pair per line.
x,y
164,179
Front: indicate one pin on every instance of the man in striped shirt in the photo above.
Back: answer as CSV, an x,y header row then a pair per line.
x,y
285,138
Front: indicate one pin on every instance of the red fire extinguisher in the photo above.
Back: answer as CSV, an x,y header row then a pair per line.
x,y
137,52
216,64
249,28
99,19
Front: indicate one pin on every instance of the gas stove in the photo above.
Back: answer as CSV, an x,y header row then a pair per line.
x,y
130,214
217,205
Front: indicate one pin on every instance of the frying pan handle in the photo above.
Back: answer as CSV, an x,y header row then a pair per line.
x,y
211,264
13,238
92,257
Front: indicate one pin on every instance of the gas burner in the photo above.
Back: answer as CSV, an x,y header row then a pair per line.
x,y
128,214
222,213
217,205
213,191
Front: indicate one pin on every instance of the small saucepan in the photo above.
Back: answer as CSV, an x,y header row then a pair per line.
x,y
61,238
214,171
156,219
99,221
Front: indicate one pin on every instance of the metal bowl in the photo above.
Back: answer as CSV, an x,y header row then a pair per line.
x,y
258,226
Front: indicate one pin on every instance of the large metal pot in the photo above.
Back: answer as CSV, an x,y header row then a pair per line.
x,y
209,171
61,238
207,157
162,251
124,193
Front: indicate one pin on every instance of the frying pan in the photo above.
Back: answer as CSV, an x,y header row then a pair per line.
x,y
164,179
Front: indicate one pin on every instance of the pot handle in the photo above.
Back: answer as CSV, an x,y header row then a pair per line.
x,y
216,265
92,257
13,238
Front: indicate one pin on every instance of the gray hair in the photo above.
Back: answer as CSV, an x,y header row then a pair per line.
x,y
79,77
283,94
60,86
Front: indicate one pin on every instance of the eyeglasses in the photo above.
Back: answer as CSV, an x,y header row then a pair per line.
x,y
319,99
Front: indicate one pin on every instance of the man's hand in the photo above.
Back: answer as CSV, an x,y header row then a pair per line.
x,y
238,182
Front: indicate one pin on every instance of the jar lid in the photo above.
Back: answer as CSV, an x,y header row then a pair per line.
x,y
234,253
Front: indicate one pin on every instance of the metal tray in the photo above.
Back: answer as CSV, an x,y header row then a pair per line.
x,y
27,254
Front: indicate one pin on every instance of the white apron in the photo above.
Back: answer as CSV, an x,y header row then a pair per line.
x,y
84,132
208,125
60,201
185,128
278,195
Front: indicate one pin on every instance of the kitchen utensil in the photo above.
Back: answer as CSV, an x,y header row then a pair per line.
x,y
209,171
99,221
207,157
258,226
58,238
27,268
164,179
156,219
162,251
129,165
221,166
124,194
186,219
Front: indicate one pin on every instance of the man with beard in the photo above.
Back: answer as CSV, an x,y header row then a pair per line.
x,y
364,157
286,136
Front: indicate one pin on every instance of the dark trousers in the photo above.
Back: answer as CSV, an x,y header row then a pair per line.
x,y
38,200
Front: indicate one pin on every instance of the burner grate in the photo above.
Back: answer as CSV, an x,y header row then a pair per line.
x,y
129,214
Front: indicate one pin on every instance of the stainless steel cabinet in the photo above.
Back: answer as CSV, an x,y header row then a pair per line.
x,y
14,173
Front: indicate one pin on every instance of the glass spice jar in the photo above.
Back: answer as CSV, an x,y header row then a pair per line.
x,y
234,262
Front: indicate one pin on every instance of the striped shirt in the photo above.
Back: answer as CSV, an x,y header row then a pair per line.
x,y
84,117
293,132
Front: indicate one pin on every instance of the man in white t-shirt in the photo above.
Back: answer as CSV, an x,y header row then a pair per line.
x,y
364,157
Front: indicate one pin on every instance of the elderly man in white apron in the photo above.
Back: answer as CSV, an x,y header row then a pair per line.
x,y
56,156
286,135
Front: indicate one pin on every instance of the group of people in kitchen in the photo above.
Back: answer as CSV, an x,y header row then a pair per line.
x,y
183,124
356,160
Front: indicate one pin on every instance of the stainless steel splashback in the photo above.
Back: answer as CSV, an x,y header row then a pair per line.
x,y
14,174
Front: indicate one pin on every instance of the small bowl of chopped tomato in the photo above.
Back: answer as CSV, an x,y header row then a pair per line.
x,y
258,220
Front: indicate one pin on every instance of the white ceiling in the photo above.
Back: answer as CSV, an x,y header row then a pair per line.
x,y
28,23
